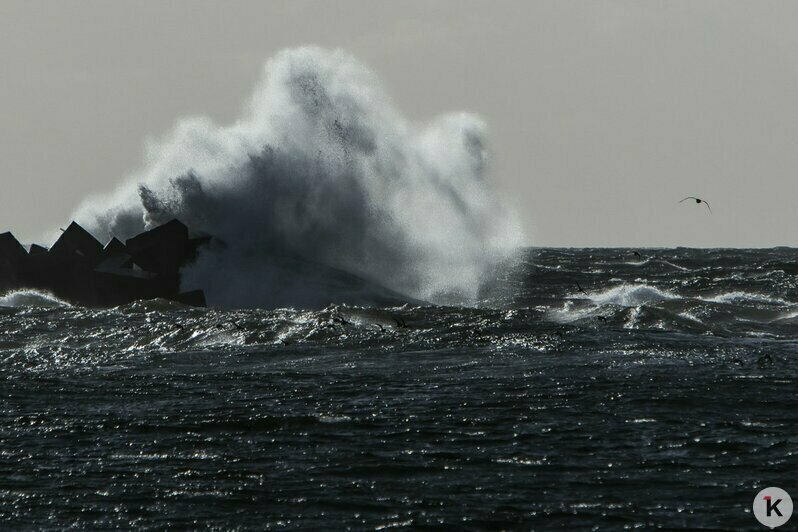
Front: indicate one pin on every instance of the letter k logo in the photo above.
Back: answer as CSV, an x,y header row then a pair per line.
x,y
772,506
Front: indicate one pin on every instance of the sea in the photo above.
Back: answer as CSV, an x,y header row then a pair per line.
x,y
587,389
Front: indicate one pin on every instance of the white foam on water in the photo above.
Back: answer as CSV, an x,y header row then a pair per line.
x,y
31,298
737,296
630,295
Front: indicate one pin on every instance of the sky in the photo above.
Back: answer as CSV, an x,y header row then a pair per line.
x,y
602,115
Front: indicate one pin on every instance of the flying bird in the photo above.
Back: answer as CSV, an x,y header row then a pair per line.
x,y
580,288
698,200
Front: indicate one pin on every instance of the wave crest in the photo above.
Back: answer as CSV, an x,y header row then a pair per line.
x,y
31,298
630,295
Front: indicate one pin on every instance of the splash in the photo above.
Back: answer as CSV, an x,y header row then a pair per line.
x,y
322,169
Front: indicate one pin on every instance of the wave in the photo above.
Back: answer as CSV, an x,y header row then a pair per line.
x,y
31,298
322,168
736,296
638,262
633,295
630,295
672,265
644,306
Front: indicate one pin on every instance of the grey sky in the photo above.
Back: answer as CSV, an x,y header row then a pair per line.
x,y
602,115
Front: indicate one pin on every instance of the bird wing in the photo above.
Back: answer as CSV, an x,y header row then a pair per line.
x,y
708,207
689,197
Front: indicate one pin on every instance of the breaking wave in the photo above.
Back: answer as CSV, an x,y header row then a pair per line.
x,y
31,298
630,295
321,169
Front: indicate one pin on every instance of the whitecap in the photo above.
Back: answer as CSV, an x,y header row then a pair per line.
x,y
31,298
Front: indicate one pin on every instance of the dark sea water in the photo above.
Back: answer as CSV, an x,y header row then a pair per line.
x,y
664,395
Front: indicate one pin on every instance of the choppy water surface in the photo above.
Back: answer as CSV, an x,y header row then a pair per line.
x,y
661,394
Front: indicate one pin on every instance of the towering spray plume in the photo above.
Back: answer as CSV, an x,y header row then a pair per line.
x,y
322,170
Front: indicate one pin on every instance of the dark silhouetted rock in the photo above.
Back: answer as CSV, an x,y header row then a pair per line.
x,y
162,250
76,241
79,269
13,259
36,249
10,248
114,247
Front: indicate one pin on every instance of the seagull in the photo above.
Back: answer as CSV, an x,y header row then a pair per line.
x,y
698,200
580,288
